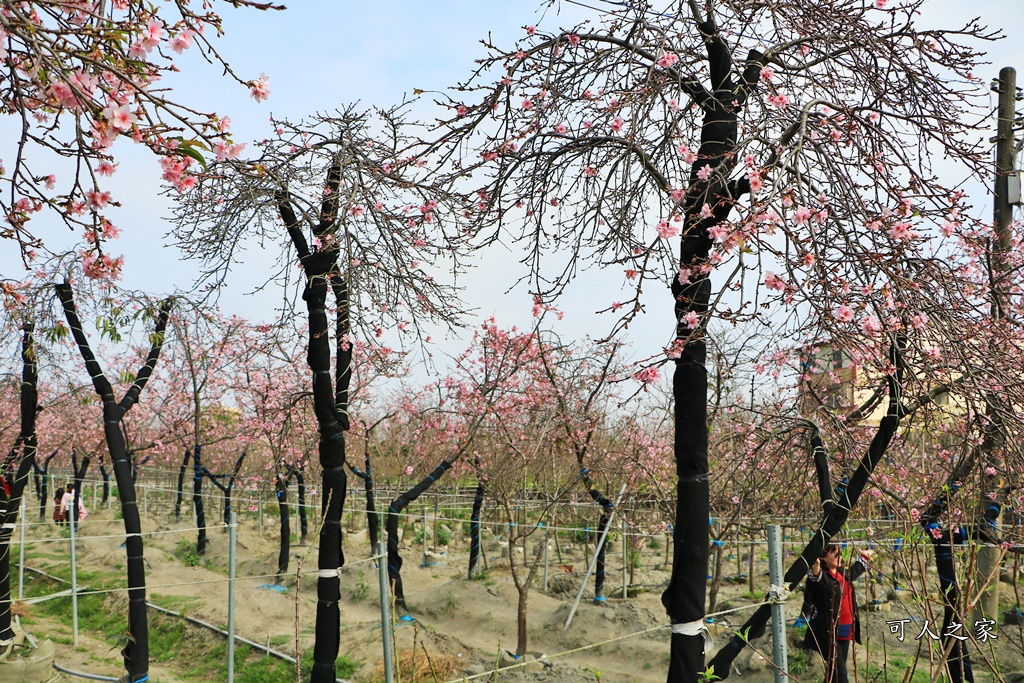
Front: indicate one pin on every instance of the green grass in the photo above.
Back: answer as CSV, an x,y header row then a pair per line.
x,y
186,554
179,603
193,652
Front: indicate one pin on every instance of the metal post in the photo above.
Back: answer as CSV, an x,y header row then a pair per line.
x,y
385,611
260,505
21,554
625,560
778,608
72,523
593,560
232,539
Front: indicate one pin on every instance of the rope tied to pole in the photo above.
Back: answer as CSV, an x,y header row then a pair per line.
x,y
778,595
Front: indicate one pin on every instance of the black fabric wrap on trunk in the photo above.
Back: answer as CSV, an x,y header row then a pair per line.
x,y
846,496
602,524
394,510
180,497
197,500
474,527
281,489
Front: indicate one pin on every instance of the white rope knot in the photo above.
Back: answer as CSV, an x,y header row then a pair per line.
x,y
778,594
695,628
329,573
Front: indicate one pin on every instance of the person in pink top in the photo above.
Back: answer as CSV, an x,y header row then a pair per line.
x,y
67,503
833,624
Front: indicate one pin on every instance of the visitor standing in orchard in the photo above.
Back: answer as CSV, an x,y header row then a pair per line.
x,y
834,624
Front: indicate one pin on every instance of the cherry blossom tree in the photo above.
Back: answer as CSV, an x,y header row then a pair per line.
x,y
449,416
78,77
579,384
207,357
136,650
766,139
364,219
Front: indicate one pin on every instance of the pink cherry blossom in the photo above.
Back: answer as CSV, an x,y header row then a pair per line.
x,y
801,215
617,124
182,41
648,375
900,231
870,325
155,30
259,89
667,59
705,172
844,314
719,232
667,230
691,320
767,73
773,281
97,200
756,184
102,267
105,168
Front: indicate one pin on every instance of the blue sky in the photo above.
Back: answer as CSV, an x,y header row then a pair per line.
x,y
322,55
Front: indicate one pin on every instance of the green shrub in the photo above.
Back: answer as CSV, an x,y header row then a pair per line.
x,y
186,554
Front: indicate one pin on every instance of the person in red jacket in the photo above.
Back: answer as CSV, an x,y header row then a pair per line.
x,y
833,624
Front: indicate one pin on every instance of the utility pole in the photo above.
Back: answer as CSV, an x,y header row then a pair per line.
x,y
1005,176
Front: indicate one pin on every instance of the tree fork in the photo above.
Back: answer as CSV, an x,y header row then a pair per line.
x,y
320,267
846,496
136,651
394,510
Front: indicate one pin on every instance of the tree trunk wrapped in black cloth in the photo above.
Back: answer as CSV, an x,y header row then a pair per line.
x,y
394,510
106,483
330,406
958,661
136,651
226,489
43,486
300,500
684,599
474,523
281,491
602,523
197,499
844,497
372,518
15,474
180,497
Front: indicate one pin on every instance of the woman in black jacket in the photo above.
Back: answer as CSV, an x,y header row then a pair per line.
x,y
833,623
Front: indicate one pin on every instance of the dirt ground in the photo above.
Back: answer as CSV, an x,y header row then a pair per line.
x,y
466,622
